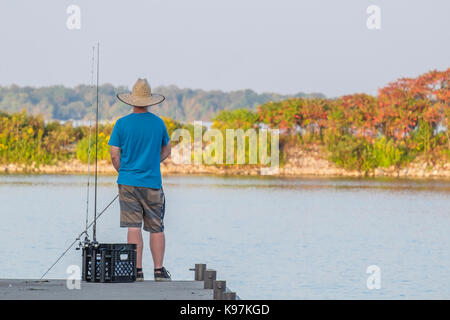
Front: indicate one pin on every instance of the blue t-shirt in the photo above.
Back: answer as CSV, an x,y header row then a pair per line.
x,y
140,137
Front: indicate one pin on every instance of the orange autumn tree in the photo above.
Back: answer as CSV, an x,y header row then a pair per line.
x,y
360,114
309,115
312,116
434,87
280,115
407,101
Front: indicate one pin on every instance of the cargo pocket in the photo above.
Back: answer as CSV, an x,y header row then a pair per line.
x,y
163,202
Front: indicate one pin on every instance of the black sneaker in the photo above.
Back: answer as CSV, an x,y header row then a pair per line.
x,y
162,274
140,276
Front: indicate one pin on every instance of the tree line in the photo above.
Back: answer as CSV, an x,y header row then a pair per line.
x,y
61,103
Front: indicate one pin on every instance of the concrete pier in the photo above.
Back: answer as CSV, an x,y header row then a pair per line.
x,y
16,289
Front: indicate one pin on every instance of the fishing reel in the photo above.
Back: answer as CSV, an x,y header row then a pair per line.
x,y
86,243
83,244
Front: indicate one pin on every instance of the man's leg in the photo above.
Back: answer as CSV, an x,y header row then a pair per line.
x,y
135,236
157,247
154,209
131,216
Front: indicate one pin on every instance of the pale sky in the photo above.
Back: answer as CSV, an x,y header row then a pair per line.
x,y
283,46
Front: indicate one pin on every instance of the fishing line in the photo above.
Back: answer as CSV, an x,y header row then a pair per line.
x,y
79,236
94,231
89,149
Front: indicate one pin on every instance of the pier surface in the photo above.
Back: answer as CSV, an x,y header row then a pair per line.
x,y
16,289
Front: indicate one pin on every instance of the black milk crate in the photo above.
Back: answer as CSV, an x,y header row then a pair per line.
x,y
114,262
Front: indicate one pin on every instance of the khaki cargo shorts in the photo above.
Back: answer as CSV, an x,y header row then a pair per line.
x,y
139,204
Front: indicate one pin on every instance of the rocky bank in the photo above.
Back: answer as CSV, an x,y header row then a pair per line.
x,y
299,162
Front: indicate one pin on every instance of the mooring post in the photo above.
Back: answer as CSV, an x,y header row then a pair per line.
x,y
210,276
229,296
200,269
219,287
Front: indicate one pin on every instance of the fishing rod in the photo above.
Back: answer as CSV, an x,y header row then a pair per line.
x,y
86,242
94,230
86,239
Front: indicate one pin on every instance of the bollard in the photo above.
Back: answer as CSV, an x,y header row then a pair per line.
x,y
219,287
210,276
229,296
200,269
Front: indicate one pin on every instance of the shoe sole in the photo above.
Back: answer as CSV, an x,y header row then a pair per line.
x,y
162,279
139,279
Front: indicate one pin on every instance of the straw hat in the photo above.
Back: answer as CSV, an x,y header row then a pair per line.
x,y
141,95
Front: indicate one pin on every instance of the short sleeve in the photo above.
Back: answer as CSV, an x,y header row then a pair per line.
x,y
114,140
165,139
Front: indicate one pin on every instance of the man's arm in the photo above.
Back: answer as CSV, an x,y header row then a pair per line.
x,y
165,151
115,157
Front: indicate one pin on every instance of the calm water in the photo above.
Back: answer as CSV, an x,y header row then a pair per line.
x,y
269,238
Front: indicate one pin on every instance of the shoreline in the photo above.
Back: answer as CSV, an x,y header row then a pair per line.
x,y
300,162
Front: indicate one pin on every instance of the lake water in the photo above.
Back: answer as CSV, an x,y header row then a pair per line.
x,y
269,238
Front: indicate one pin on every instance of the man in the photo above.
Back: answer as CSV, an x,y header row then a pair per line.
x,y
139,142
